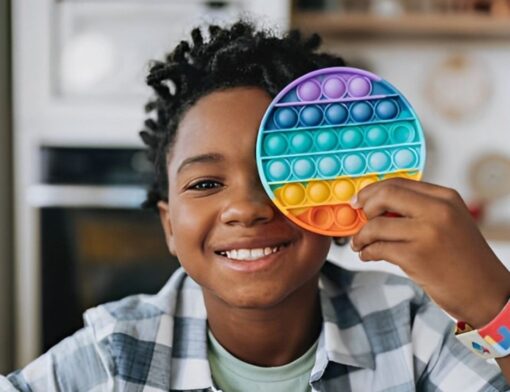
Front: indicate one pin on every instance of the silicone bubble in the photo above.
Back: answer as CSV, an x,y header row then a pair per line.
x,y
303,168
309,91
354,164
278,170
359,86
301,142
402,133
345,216
322,217
376,135
379,161
326,140
365,181
351,138
318,192
361,111
293,194
328,166
334,87
285,117
404,158
328,135
310,116
336,113
275,144
343,189
386,109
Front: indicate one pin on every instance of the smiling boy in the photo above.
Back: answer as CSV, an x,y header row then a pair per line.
x,y
255,305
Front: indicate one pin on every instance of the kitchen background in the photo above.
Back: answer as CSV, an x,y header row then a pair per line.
x,y
73,172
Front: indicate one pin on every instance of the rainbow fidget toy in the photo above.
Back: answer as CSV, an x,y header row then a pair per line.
x,y
327,135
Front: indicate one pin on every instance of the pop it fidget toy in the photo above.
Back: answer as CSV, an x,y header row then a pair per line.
x,y
327,135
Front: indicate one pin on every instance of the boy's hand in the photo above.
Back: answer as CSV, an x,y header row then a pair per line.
x,y
436,243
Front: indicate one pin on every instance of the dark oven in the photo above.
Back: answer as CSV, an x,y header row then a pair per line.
x,y
96,243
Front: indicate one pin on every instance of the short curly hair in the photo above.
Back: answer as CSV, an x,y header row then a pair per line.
x,y
232,56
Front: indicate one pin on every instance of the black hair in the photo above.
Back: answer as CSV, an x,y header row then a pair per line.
x,y
233,56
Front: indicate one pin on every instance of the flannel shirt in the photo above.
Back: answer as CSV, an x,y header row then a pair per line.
x,y
380,333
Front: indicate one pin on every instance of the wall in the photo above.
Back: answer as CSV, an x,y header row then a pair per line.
x,y
5,193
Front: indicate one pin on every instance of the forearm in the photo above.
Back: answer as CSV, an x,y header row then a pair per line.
x,y
504,364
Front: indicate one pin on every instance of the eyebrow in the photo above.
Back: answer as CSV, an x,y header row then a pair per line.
x,y
202,158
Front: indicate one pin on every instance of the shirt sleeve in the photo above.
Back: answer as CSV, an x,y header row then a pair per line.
x,y
75,364
443,363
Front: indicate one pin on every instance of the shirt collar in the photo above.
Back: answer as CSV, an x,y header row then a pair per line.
x,y
343,335
343,339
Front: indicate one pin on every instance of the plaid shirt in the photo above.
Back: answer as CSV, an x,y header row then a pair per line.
x,y
380,333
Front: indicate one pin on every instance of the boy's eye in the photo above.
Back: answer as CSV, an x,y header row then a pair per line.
x,y
205,185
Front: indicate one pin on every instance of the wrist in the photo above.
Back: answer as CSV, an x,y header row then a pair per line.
x,y
490,341
487,304
487,312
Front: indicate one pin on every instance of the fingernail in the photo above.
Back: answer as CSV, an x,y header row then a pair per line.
x,y
354,201
351,243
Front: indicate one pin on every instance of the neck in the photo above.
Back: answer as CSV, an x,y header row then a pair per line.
x,y
272,336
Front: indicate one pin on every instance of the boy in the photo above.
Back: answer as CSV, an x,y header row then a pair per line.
x,y
255,306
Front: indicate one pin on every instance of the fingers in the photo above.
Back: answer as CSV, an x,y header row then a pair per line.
x,y
432,190
384,229
381,250
406,197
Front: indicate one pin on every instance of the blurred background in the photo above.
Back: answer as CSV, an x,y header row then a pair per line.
x,y
72,168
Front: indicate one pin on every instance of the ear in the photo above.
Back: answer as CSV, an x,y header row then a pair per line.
x,y
164,215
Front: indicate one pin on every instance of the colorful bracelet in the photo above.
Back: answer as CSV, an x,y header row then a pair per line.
x,y
490,341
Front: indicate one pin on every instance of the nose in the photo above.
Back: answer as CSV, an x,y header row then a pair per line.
x,y
248,207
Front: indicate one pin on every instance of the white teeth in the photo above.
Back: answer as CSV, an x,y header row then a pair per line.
x,y
249,254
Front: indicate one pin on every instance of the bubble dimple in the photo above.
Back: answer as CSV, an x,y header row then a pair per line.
x,y
351,138
322,217
275,144
386,109
329,166
376,136
285,117
326,140
354,164
361,111
359,86
343,190
379,161
278,170
318,192
334,87
336,113
309,91
293,194
303,168
311,116
404,158
301,142
345,216
402,133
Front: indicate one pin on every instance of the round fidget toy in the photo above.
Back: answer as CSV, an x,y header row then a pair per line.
x,y
327,135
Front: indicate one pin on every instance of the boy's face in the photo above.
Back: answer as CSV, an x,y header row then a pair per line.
x,y
219,221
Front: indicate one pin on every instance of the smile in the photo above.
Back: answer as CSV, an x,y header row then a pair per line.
x,y
251,254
